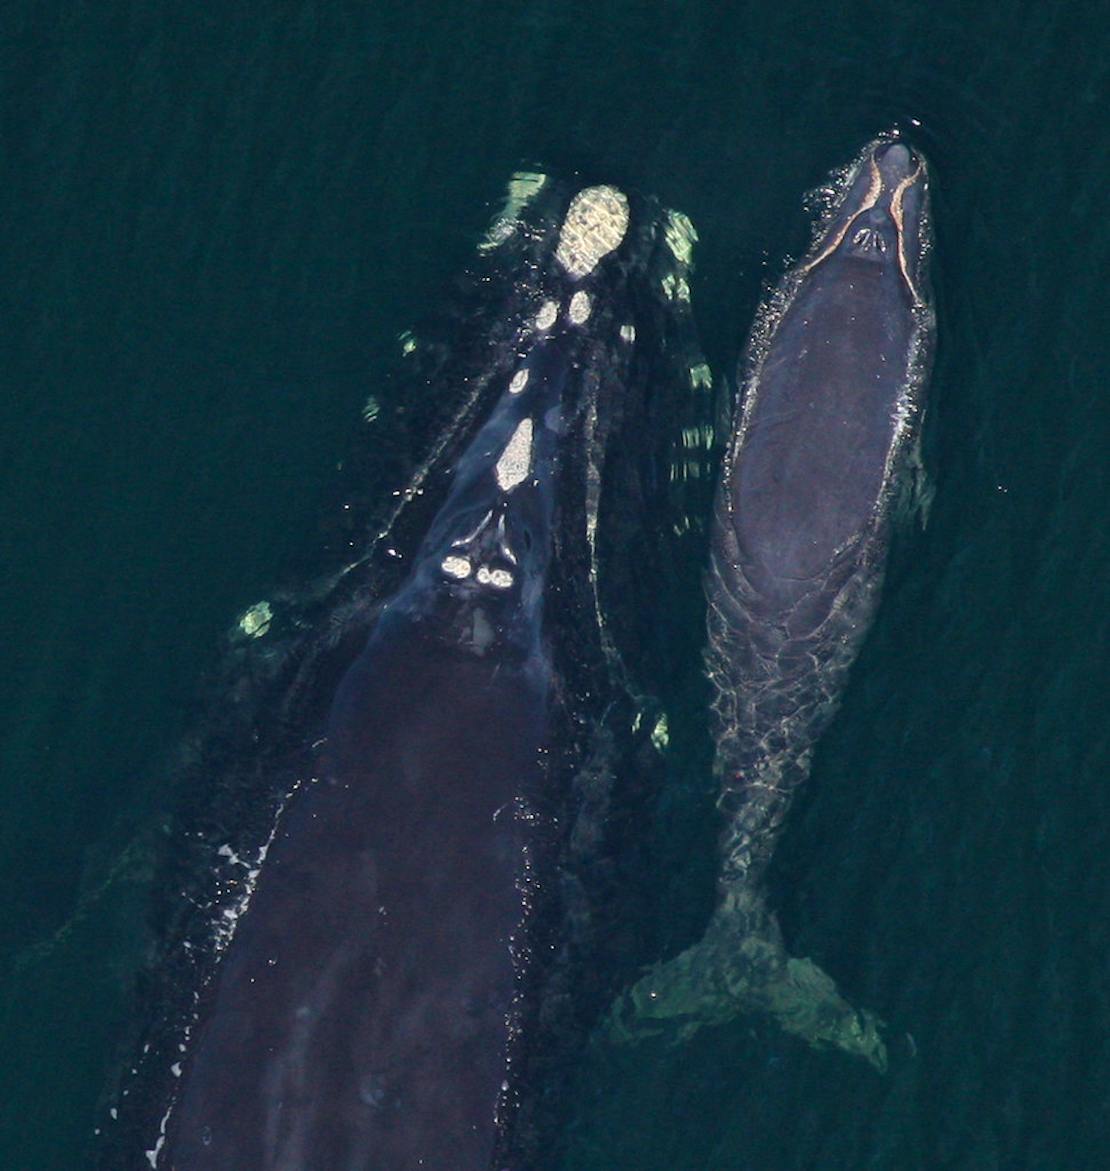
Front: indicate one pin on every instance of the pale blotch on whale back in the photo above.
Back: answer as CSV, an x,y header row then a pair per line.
x,y
660,734
545,318
522,189
516,459
701,375
579,309
595,224
456,567
680,236
500,579
518,382
677,288
256,621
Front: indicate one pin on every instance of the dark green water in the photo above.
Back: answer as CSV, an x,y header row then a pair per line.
x,y
216,218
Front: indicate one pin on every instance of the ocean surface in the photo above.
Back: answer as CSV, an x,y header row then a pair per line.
x,y
215,220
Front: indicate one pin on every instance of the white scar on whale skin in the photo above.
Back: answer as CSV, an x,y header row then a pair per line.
x,y
595,224
519,382
503,542
516,459
461,542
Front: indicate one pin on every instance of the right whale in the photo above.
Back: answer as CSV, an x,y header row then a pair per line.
x,y
394,892
824,456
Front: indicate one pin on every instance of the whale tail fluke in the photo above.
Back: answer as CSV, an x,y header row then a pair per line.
x,y
741,966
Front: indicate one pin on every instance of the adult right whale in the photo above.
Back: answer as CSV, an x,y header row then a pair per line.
x,y
825,455
394,889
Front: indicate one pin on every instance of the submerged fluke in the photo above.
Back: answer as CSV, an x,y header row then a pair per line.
x,y
824,453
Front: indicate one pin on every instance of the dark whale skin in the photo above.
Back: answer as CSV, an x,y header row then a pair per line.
x,y
823,457
360,1020
816,443
362,1016
390,875
825,453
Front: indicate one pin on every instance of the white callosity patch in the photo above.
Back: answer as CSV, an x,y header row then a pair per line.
x,y
456,567
545,318
523,188
518,382
660,734
680,236
675,287
595,224
516,459
256,621
500,579
628,333
701,375
579,309
698,438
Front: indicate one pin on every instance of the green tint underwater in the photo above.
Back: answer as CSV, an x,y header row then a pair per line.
x,y
216,219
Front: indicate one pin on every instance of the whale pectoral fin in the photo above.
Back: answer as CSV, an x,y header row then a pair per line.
x,y
740,965
913,501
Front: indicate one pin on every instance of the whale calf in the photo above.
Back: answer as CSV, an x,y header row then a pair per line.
x,y
364,985
823,458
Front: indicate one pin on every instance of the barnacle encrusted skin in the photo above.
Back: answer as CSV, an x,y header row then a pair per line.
x,y
595,224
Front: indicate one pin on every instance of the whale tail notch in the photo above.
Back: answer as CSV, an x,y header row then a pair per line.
x,y
741,966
